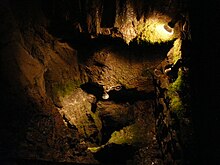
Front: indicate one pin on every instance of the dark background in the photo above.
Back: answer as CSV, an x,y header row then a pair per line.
x,y
205,19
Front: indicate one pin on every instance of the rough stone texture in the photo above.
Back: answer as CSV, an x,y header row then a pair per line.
x,y
30,57
173,124
77,112
137,134
115,115
110,68
49,111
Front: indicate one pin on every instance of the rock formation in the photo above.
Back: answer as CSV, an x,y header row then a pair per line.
x,y
81,87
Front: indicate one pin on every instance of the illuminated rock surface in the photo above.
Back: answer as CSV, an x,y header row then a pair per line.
x,y
76,92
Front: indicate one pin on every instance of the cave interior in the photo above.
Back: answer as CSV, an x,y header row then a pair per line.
x,y
112,82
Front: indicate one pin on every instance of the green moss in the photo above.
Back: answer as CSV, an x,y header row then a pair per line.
x,y
63,89
177,54
132,134
176,103
95,149
178,84
152,31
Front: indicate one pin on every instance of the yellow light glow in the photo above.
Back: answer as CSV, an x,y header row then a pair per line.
x,y
152,29
163,32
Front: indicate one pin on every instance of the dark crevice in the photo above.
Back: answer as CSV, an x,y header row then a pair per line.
x,y
156,50
109,14
94,89
69,125
122,96
129,95
36,162
115,154
94,106
109,129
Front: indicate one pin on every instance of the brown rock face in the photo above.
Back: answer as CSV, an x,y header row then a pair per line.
x,y
110,69
74,90
77,111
